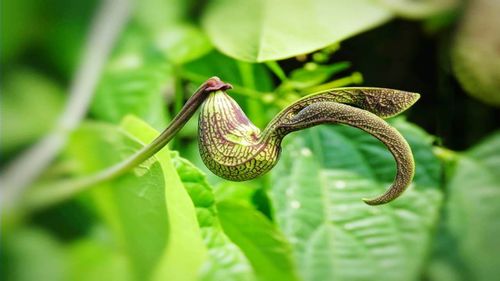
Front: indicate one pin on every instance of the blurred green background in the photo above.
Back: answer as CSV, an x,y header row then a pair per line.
x,y
105,77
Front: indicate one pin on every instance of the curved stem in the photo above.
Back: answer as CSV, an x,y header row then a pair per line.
x,y
46,195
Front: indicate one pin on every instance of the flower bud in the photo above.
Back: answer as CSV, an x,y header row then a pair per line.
x,y
230,145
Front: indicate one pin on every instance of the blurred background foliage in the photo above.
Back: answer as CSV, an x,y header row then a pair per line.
x,y
172,219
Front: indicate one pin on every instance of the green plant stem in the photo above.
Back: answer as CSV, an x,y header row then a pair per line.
x,y
248,80
43,196
354,78
277,70
179,94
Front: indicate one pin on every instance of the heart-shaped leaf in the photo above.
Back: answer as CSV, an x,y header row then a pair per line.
x,y
263,30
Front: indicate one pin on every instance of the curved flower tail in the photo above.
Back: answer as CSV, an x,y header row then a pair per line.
x,y
332,112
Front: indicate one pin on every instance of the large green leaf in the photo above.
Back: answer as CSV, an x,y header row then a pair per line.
x,y
132,206
150,214
265,246
185,252
225,260
267,251
317,189
263,30
469,247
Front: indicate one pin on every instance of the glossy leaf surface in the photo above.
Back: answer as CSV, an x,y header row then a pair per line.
x,y
263,30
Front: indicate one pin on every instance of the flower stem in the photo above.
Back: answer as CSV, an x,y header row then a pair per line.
x,y
45,195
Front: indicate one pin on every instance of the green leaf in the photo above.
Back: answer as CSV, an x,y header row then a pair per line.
x,y
30,105
263,30
132,206
265,247
148,211
475,55
241,192
487,151
471,215
316,192
225,260
185,252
